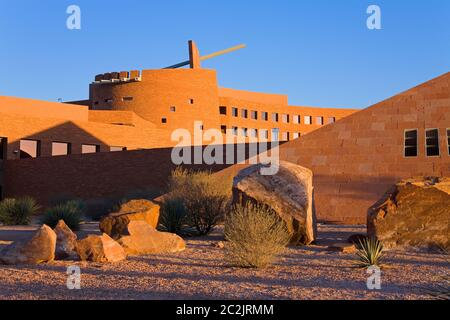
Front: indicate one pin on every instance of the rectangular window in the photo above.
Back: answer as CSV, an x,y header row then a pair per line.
x,y
448,141
116,149
223,129
275,134
109,100
191,101
265,116
285,136
3,145
331,120
432,142
296,119
223,110
127,99
285,118
264,134
244,132
254,115
308,120
60,148
319,121
235,131
296,135
90,148
244,113
29,149
173,109
234,112
164,120
275,117
253,133
410,143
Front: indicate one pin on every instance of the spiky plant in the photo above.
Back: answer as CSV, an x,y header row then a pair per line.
x,y
70,212
18,211
370,252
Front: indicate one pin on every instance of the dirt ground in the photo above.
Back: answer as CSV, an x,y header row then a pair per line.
x,y
202,272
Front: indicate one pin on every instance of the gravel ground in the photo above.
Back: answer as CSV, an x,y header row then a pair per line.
x,y
201,272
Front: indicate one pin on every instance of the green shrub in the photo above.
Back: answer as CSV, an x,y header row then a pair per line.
x,y
205,198
172,216
370,252
256,236
70,212
18,211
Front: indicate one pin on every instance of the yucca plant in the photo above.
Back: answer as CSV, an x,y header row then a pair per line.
x,y
370,252
70,212
18,211
173,216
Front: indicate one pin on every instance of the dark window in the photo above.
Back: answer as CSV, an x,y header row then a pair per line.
x,y
108,100
308,120
3,145
29,149
319,121
331,120
173,109
432,142
448,141
254,115
96,102
411,143
265,116
234,112
164,120
127,99
244,113
223,129
223,110
90,148
285,118
275,117
115,149
191,101
61,148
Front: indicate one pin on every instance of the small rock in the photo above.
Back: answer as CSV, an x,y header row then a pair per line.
x,y
38,249
218,245
65,241
342,247
100,249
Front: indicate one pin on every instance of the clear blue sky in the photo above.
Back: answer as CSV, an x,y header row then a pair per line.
x,y
318,52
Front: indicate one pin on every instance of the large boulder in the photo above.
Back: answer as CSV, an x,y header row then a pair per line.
x,y
140,238
289,193
116,223
414,212
38,249
65,241
100,249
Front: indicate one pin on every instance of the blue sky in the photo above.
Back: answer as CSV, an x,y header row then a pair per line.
x,y
319,52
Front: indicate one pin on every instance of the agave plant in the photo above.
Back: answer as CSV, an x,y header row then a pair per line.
x,y
370,252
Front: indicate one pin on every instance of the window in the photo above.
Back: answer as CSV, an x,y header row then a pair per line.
x,y
432,142
235,131
254,115
264,116
96,102
285,118
244,113
173,109
264,134
275,134
29,149
60,148
410,143
244,132
253,133
331,120
191,101
223,110
308,120
234,112
285,136
319,121
164,120
296,135
296,119
275,117
223,129
90,148
127,99
116,149
448,141
109,100
3,145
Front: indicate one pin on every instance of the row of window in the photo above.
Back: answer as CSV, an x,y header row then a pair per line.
x,y
129,98
261,133
432,148
285,118
32,148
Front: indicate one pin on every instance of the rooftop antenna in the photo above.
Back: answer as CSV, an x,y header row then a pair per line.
x,y
195,58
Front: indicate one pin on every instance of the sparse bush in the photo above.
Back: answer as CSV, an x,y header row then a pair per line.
x,y
18,211
204,196
370,252
70,212
173,216
256,236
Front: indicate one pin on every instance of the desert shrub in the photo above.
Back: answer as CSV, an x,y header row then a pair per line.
x,y
172,216
98,208
369,252
256,236
18,211
70,212
204,196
